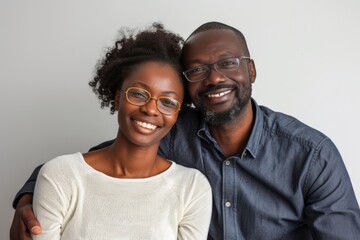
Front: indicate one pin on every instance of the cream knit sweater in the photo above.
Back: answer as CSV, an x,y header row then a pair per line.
x,y
74,201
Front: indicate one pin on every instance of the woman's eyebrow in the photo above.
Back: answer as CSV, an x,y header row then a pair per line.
x,y
146,87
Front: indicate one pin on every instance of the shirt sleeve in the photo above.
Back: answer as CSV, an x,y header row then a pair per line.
x,y
196,220
51,200
28,186
330,203
102,145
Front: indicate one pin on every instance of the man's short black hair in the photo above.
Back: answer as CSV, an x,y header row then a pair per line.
x,y
217,25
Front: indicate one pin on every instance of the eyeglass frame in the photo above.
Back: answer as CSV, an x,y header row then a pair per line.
x,y
213,66
149,99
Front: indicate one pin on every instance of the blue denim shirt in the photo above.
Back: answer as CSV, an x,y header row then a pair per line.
x,y
290,182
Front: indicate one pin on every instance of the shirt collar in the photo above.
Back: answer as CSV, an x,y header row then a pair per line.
x,y
252,145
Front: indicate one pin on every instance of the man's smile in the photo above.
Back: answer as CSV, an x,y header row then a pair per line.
x,y
219,94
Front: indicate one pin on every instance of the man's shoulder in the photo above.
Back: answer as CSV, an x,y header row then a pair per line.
x,y
189,117
102,145
289,126
188,124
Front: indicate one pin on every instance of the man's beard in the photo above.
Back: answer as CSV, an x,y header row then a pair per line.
x,y
220,118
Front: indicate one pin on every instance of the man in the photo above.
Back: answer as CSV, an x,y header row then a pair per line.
x,y
272,176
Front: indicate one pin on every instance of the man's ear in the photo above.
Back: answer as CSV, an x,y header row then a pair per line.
x,y
252,70
117,100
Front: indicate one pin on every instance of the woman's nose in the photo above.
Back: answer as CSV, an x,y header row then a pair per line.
x,y
150,107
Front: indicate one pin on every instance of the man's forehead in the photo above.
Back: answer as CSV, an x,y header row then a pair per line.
x,y
208,35
216,43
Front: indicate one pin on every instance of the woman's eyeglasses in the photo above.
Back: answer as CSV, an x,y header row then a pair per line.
x,y
139,97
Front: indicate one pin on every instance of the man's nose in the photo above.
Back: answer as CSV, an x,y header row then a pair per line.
x,y
214,77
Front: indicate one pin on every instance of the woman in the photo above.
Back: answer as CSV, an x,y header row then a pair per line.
x,y
128,191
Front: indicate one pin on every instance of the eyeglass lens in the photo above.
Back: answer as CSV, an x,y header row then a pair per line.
x,y
140,97
224,66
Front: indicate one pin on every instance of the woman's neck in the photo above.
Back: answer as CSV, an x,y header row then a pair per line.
x,y
126,160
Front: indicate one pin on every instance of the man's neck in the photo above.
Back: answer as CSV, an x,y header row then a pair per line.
x,y
233,136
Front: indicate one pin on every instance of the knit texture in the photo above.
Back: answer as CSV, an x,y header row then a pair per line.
x,y
74,201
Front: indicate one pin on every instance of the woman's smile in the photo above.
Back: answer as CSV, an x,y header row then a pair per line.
x,y
145,125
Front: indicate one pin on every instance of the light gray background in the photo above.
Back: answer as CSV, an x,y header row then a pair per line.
x,y
306,53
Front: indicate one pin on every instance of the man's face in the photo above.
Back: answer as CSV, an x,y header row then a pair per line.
x,y
221,98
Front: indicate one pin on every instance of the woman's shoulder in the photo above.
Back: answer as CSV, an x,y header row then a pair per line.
x,y
185,170
188,185
189,176
62,164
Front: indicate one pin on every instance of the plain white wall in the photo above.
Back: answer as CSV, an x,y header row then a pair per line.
x,y
306,53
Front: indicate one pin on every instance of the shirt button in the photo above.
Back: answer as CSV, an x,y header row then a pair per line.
x,y
228,204
227,162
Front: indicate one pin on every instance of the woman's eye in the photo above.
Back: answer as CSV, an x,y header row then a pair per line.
x,y
168,102
138,95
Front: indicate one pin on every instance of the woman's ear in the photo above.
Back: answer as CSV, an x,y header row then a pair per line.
x,y
117,100
252,70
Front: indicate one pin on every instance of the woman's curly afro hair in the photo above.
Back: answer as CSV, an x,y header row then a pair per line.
x,y
152,44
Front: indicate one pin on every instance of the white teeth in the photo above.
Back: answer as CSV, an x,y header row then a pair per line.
x,y
146,125
219,94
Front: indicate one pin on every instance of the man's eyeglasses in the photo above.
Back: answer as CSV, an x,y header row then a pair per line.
x,y
139,97
224,66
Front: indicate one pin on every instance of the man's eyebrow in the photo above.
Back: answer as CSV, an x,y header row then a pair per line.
x,y
222,56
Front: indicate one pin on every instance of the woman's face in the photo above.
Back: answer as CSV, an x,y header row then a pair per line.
x,y
146,125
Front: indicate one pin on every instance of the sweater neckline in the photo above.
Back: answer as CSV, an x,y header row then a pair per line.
x,y
94,171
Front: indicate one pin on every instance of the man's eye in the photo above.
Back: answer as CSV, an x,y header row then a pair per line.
x,y
228,63
197,70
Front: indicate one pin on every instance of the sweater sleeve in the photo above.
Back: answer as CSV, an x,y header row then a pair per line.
x,y
196,220
28,187
51,199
